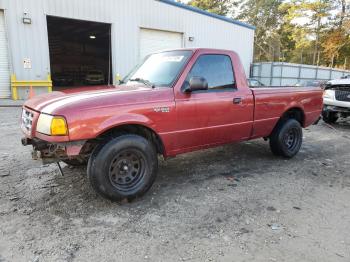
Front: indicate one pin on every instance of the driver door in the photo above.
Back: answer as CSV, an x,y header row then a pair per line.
x,y
217,115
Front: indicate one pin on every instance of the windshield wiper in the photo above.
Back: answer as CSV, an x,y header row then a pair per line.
x,y
143,81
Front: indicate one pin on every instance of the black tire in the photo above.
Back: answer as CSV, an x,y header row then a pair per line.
x,y
123,168
75,162
329,117
286,138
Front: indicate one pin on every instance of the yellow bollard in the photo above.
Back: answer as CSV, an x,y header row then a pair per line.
x,y
29,83
49,87
14,87
118,78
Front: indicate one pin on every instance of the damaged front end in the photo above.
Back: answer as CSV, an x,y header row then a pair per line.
x,y
78,151
59,148
336,98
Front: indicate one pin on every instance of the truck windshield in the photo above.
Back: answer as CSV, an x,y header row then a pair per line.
x,y
159,69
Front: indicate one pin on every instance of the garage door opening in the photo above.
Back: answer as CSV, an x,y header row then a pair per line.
x,y
80,52
152,40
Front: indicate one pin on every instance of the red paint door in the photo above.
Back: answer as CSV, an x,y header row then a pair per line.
x,y
221,114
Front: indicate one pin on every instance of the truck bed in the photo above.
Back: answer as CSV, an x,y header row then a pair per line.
x,y
272,102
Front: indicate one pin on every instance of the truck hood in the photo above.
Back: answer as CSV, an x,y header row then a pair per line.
x,y
57,103
345,81
338,84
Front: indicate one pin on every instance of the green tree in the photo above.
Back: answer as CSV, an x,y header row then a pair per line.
x,y
336,40
301,31
220,7
317,12
265,16
343,13
336,46
295,36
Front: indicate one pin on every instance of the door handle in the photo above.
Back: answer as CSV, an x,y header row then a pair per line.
x,y
237,100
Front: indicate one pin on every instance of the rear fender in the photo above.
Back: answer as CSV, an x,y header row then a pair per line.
x,y
294,106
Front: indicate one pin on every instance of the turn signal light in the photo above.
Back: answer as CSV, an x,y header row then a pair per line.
x,y
58,126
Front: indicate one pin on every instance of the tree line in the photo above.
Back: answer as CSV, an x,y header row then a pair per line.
x,y
315,32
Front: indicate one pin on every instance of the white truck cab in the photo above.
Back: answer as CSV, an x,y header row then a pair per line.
x,y
336,100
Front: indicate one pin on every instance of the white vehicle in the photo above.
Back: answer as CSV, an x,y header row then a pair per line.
x,y
94,77
336,100
252,82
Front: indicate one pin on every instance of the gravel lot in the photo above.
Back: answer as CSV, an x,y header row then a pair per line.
x,y
232,203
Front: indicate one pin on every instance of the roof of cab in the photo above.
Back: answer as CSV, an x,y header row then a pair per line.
x,y
195,49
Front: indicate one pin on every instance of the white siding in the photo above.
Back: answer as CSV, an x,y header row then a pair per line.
x,y
127,18
4,63
155,40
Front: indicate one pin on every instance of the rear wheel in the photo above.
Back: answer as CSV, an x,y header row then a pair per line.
x,y
330,117
123,168
286,138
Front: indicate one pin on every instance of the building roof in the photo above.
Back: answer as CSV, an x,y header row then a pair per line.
x,y
200,11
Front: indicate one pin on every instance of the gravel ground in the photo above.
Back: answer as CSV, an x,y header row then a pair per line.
x,y
232,203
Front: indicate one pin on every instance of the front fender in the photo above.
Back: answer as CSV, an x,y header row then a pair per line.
x,y
125,119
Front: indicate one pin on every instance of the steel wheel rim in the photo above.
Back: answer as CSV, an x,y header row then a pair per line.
x,y
291,138
127,169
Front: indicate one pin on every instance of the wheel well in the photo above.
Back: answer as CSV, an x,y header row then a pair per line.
x,y
135,129
294,113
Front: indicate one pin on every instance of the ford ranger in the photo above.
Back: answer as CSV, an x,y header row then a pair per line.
x,y
173,102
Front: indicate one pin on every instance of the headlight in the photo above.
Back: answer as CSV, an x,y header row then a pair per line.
x,y
329,94
52,125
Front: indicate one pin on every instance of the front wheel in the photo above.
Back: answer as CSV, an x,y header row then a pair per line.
x,y
286,138
330,117
123,168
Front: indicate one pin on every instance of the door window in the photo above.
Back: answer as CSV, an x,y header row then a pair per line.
x,y
216,69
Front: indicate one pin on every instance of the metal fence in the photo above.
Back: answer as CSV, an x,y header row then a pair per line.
x,y
288,74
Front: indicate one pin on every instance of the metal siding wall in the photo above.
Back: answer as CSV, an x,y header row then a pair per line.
x,y
126,17
283,74
28,41
4,60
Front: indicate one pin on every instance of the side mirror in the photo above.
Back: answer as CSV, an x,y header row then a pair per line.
x,y
196,83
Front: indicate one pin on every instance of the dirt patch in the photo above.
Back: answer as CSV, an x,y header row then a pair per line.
x,y
232,203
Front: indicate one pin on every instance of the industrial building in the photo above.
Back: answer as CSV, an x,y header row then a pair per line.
x,y
66,40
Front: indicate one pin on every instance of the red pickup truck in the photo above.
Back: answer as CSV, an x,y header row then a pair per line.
x,y
173,102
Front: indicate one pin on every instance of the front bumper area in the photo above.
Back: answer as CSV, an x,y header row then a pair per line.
x,y
337,110
336,103
54,152
332,108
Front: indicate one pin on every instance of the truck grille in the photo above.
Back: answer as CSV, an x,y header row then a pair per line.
x,y
341,95
27,120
